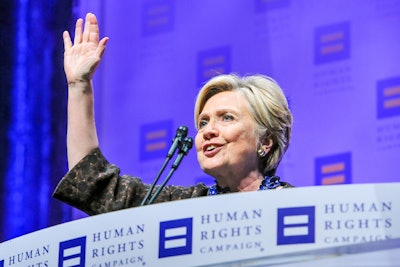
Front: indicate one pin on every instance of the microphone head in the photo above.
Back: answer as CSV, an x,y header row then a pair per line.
x,y
182,131
187,145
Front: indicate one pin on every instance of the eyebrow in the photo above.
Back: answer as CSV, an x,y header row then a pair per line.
x,y
220,111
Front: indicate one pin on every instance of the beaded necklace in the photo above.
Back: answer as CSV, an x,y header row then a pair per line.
x,y
269,182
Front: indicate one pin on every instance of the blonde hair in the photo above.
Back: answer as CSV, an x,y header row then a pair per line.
x,y
268,107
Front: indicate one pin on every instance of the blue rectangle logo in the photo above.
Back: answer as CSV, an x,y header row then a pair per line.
x,y
72,252
388,98
332,43
333,169
296,225
157,17
213,62
155,140
262,6
175,238
2,263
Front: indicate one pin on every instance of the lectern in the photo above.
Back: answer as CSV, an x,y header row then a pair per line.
x,y
339,225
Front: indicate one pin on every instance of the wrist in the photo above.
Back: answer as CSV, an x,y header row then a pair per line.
x,y
83,85
79,82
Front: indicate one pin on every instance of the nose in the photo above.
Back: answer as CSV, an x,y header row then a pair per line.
x,y
210,130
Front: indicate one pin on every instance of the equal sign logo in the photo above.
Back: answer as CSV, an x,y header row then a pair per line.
x,y
213,62
268,5
72,252
296,225
175,237
388,98
332,43
158,17
155,139
333,169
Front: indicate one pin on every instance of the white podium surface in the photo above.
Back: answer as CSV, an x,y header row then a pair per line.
x,y
341,225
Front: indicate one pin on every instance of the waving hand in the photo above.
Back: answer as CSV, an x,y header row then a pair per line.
x,y
82,57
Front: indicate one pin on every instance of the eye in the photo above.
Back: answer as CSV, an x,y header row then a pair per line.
x,y
202,123
227,117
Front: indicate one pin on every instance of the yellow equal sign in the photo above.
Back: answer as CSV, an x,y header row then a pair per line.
x,y
153,142
394,94
333,168
332,43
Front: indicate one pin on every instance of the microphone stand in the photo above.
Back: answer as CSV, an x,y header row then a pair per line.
x,y
181,133
187,145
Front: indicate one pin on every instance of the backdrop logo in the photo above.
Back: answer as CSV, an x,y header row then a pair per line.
x,y
332,43
213,62
158,17
175,238
388,97
155,139
268,5
72,252
296,225
333,169
2,263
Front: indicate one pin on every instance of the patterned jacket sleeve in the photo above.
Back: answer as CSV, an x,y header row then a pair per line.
x,y
95,186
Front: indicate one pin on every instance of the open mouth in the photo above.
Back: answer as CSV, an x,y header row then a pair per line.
x,y
210,148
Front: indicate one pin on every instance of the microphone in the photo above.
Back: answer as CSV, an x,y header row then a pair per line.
x,y
183,151
181,133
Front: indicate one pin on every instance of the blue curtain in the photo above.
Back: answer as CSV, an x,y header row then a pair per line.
x,y
33,113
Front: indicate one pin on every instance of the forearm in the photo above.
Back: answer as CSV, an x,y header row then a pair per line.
x,y
81,129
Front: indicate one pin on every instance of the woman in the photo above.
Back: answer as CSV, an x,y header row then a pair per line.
x,y
244,127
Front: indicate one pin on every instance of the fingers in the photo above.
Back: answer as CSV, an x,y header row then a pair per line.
x,y
93,30
103,41
86,31
78,31
67,40
102,46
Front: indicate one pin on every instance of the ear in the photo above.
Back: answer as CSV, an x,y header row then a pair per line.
x,y
267,145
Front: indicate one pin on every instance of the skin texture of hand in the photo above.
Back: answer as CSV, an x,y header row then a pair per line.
x,y
83,56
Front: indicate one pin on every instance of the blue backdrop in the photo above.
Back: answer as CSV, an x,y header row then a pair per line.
x,y
337,61
32,118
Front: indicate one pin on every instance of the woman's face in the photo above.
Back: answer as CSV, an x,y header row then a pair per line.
x,y
226,141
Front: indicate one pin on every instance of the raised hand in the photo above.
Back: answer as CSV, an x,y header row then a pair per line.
x,y
82,57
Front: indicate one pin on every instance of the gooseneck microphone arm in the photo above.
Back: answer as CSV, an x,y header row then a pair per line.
x,y
181,133
183,151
